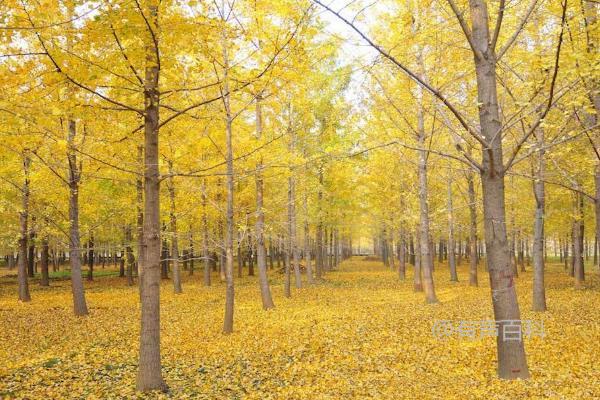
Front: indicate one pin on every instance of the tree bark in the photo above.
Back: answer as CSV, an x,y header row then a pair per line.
x,y
451,257
473,257
229,291
425,249
23,235
319,234
293,245
307,254
79,303
129,256
205,250
418,282
139,186
512,361
149,375
578,231
539,291
261,252
402,255
175,235
31,250
90,274
45,279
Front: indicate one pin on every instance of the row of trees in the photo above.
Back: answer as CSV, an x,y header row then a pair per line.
x,y
178,131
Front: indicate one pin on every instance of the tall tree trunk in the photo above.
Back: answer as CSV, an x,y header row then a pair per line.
x,y
31,250
287,266
174,233
90,275
190,254
261,252
402,255
451,258
205,250
539,291
229,291
307,254
45,280
79,304
139,186
319,239
412,250
425,249
418,282
293,241
512,362
23,225
129,255
578,231
164,254
392,257
149,375
473,281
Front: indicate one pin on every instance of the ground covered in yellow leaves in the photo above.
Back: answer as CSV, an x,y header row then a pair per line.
x,y
359,334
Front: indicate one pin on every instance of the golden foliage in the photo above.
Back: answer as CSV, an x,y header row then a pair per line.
x,y
359,334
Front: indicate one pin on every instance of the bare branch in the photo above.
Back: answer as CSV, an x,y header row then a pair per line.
x,y
498,26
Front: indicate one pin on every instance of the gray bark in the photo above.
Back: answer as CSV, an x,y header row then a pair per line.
x,y
79,303
261,252
175,235
149,375
229,232
539,291
23,234
512,362
451,256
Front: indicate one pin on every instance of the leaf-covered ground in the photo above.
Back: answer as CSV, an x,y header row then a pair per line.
x,y
359,334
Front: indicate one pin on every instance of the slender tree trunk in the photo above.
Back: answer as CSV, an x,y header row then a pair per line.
x,y
418,283
45,280
175,235
149,375
90,275
307,255
164,254
578,231
392,257
402,255
451,258
229,292
79,304
205,250
23,225
31,250
426,256
539,291
129,255
293,245
190,254
412,251
319,239
287,267
473,281
261,252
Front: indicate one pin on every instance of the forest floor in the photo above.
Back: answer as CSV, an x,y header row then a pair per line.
x,y
361,333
